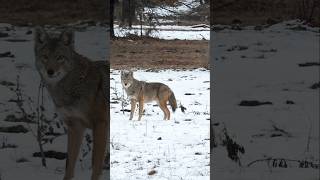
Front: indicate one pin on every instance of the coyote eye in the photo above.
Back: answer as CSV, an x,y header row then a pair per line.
x,y
60,59
44,58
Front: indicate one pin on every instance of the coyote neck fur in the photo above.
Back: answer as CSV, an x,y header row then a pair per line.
x,y
72,84
135,89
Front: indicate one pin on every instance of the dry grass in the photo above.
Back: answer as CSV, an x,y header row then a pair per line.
x,y
155,53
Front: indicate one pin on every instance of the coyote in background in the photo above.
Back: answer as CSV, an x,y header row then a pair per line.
x,y
143,92
79,92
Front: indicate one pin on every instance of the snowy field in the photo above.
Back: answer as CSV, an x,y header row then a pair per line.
x,y
167,32
174,149
278,67
249,65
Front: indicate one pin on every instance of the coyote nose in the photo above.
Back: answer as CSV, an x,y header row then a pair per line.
x,y
50,72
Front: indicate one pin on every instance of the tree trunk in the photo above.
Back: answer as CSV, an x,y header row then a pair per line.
x,y
125,10
132,12
111,23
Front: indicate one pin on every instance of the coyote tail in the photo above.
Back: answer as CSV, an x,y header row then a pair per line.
x,y
173,102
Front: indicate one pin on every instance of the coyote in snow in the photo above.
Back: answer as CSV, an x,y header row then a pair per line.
x,y
79,91
143,92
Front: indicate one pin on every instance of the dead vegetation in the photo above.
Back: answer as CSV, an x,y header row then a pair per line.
x,y
155,53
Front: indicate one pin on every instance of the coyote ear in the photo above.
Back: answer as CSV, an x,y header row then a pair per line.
x,y
67,37
40,35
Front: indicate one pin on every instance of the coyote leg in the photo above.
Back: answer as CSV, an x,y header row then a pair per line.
x,y
163,106
141,101
75,136
99,146
133,108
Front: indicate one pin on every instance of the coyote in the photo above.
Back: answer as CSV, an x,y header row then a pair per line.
x,y
143,92
79,92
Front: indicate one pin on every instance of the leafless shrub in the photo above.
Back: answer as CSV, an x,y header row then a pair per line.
x,y
306,9
43,124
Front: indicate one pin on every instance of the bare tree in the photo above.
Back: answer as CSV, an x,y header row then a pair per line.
x,y
306,9
132,12
111,23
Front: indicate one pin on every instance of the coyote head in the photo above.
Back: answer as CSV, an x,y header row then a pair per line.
x,y
126,78
54,54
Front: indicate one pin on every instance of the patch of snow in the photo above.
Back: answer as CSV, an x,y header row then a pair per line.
x,y
264,66
167,32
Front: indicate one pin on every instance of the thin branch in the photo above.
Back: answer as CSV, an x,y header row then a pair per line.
x,y
39,123
172,11
19,103
188,5
258,160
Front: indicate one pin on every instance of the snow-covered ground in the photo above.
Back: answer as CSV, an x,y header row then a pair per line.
x,y
270,65
248,65
175,149
167,32
181,152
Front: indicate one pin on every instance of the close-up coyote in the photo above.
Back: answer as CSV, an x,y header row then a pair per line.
x,y
143,92
78,89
